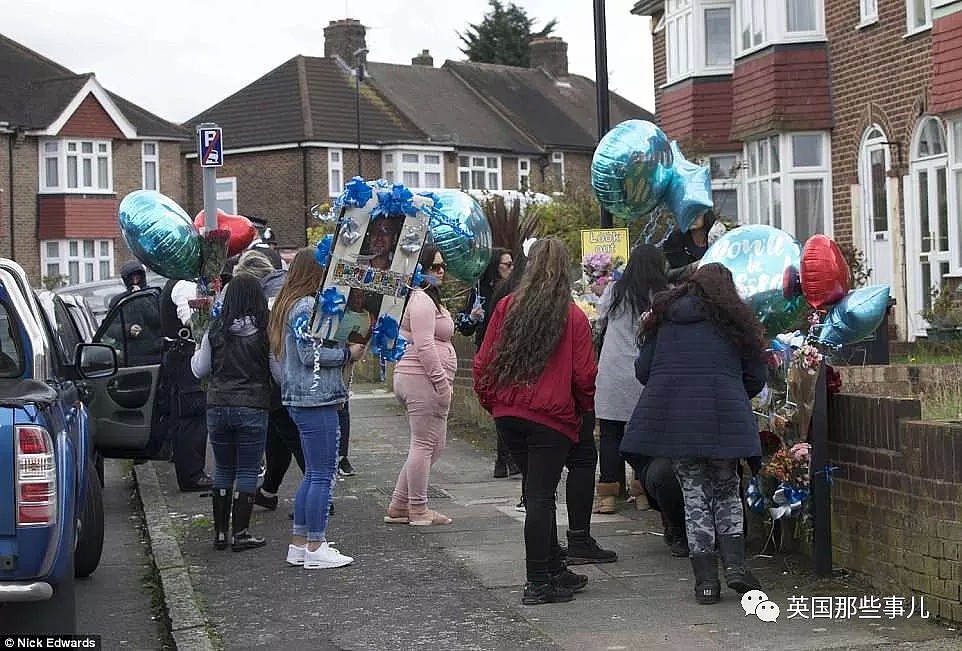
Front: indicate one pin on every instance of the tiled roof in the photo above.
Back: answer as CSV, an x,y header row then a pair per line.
x,y
307,99
34,91
446,109
558,113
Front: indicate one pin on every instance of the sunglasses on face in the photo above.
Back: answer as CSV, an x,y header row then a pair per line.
x,y
507,264
438,266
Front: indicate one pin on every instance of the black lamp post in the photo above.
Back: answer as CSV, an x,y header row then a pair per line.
x,y
601,84
358,76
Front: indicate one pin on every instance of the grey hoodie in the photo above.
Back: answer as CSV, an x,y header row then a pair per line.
x,y
201,361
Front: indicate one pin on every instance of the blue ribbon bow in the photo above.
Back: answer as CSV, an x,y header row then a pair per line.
x,y
396,201
332,302
356,194
323,252
417,279
386,343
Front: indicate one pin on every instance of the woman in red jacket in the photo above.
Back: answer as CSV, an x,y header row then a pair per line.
x,y
535,373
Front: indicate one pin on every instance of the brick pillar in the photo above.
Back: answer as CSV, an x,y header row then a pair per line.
x,y
343,38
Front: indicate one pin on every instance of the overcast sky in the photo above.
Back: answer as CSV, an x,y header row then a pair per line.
x,y
177,58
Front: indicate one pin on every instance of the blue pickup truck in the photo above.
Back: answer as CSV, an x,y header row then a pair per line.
x,y
65,402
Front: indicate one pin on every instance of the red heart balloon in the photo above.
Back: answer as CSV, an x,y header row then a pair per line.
x,y
242,232
825,274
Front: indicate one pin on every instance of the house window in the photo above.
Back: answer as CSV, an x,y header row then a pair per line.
x,y
918,15
524,174
874,173
415,169
81,166
479,172
151,171
751,17
788,184
77,261
558,169
678,38
718,37
801,15
869,11
763,22
335,172
724,184
227,194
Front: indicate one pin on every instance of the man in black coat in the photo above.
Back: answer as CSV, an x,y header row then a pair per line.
x,y
683,249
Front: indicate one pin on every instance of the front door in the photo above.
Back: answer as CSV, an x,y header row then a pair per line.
x,y
876,227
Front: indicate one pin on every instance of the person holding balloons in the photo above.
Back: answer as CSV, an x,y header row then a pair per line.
x,y
683,249
701,360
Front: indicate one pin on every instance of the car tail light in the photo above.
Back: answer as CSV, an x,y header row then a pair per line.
x,y
36,477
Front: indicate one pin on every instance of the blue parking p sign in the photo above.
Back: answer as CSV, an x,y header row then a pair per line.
x,y
210,147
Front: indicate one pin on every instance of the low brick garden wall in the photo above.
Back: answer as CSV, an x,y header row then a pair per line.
x,y
900,379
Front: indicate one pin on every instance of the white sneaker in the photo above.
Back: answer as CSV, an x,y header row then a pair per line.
x,y
295,555
325,557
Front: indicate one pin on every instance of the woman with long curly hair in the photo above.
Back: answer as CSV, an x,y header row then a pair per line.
x,y
424,385
535,373
701,361
312,389
234,354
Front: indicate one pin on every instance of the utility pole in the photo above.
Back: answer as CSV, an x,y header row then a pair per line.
x,y
601,84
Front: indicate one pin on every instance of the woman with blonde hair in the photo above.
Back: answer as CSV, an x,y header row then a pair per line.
x,y
535,373
312,389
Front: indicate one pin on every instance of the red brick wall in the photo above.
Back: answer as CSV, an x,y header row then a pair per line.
x,y
25,184
947,64
878,77
90,120
5,196
659,62
781,88
76,216
698,112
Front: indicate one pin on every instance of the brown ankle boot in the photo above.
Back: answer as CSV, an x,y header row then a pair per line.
x,y
607,501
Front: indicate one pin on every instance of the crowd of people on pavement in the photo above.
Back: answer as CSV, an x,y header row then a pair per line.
x,y
668,387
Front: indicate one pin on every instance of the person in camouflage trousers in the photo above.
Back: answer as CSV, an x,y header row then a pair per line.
x,y
712,501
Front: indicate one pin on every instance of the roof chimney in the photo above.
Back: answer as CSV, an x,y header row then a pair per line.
x,y
550,53
423,59
343,38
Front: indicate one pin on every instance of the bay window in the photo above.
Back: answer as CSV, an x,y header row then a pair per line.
x,y
150,160
698,38
678,37
724,184
81,166
414,169
788,183
479,172
77,261
764,22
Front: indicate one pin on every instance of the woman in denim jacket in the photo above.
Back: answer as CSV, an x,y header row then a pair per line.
x,y
312,389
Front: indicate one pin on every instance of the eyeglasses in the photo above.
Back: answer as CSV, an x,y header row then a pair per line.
x,y
509,265
438,266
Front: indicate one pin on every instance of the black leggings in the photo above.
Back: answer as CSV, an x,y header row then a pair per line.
x,y
541,453
344,422
283,441
612,466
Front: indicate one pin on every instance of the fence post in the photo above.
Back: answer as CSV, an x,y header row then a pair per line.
x,y
820,480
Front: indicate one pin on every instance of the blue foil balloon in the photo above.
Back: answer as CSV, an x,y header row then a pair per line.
x,y
632,168
855,317
758,257
160,234
461,232
689,194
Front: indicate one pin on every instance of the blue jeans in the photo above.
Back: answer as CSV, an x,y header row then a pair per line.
x,y
237,435
318,427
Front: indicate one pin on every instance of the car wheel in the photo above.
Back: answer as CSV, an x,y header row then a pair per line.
x,y
90,528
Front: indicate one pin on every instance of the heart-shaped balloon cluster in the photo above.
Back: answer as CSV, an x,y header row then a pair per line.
x,y
635,169
242,231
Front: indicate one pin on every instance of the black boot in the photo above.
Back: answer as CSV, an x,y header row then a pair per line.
x,y
677,541
583,549
737,576
500,468
550,591
221,499
242,539
707,586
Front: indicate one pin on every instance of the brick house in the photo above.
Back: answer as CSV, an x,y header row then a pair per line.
x,y
69,150
291,136
837,117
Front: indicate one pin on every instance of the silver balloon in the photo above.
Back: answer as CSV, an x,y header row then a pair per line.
x,y
632,168
350,232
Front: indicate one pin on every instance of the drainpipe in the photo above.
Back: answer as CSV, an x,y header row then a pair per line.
x,y
13,136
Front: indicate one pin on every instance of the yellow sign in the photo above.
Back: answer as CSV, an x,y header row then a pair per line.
x,y
613,241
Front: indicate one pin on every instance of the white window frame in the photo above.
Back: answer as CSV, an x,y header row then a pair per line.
x,y
65,258
868,13
954,135
686,33
725,180
911,28
774,23
468,167
146,158
558,158
72,148
335,163
227,195
524,172
870,144
782,211
395,162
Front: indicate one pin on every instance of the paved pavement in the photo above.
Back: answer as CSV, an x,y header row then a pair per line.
x,y
459,586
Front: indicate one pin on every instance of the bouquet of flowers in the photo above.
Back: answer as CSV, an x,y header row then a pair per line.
x,y
600,269
782,485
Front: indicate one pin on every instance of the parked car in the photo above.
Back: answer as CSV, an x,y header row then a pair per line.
x,y
96,295
51,507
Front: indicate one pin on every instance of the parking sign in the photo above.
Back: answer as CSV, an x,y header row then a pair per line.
x,y
210,147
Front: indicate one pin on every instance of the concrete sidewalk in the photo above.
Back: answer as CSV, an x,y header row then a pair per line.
x,y
459,586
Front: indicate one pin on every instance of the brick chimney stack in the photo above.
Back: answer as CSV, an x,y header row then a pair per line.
x,y
423,59
550,53
343,38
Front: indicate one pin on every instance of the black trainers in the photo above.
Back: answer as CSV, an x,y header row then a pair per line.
x,y
584,550
269,503
568,579
546,593
344,468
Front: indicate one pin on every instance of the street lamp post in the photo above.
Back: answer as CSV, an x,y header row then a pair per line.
x,y
601,84
358,74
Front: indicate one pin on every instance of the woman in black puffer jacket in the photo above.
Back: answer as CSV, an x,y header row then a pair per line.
x,y
701,360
